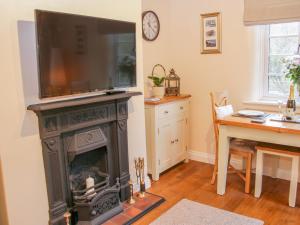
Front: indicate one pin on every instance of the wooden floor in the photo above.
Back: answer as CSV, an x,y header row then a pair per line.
x,y
192,181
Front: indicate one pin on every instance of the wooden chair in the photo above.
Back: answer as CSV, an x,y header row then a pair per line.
x,y
279,150
241,148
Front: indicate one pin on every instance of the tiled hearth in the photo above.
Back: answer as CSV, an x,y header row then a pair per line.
x,y
133,212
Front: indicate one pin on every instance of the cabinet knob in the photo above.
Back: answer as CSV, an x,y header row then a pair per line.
x,y
172,142
166,112
181,107
176,140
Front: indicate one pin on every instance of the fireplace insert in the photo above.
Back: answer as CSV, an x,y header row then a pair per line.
x,y
94,200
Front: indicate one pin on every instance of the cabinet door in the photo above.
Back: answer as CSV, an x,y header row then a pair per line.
x,y
178,136
164,146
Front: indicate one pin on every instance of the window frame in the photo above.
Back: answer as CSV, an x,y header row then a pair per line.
x,y
265,48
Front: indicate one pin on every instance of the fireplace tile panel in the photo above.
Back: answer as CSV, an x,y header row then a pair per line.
x,y
132,211
120,219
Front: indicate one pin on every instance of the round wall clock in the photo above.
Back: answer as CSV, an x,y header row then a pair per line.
x,y
151,25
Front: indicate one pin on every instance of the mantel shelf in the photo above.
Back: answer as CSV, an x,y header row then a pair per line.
x,y
80,101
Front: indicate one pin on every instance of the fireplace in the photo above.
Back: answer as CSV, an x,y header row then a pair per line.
x,y
85,152
93,195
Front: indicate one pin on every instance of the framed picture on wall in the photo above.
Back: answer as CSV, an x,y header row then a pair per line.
x,y
211,33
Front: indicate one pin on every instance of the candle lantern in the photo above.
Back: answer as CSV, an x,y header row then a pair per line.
x,y
172,84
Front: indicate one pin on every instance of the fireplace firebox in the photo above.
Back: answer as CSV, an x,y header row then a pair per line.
x,y
93,196
85,152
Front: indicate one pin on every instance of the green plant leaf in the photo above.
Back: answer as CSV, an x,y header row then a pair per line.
x,y
293,73
157,81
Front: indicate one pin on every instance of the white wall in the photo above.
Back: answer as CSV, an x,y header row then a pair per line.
x,y
157,51
20,148
235,70
202,73
3,213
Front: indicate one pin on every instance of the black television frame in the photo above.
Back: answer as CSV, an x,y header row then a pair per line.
x,y
101,92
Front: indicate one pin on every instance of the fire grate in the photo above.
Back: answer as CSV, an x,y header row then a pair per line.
x,y
87,194
98,203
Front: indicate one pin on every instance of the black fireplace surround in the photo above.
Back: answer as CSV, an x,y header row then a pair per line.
x,y
82,137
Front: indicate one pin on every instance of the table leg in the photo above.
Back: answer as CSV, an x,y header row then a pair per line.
x,y
294,181
223,152
259,173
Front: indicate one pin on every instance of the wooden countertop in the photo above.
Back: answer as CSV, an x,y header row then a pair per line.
x,y
168,99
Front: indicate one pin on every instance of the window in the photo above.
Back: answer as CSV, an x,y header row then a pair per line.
x,y
282,41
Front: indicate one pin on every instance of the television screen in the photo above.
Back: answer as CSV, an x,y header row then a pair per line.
x,y
78,54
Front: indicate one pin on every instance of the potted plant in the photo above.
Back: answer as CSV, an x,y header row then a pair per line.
x,y
158,87
293,72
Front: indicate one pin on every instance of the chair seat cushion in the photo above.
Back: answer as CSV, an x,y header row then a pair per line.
x,y
242,145
278,148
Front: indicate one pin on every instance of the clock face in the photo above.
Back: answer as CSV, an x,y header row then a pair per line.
x,y
150,25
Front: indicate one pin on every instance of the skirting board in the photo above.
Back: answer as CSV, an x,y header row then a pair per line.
x,y
238,163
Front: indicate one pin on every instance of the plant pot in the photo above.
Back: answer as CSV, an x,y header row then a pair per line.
x,y
158,92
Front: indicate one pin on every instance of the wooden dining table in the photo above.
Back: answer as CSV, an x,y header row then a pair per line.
x,y
283,133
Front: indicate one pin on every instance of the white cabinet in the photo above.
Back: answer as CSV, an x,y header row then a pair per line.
x,y
167,126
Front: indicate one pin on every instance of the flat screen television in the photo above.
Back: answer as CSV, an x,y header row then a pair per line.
x,y
80,54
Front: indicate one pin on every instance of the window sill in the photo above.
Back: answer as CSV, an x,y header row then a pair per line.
x,y
262,103
267,105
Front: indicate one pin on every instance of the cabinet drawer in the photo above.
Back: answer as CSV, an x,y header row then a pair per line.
x,y
165,110
170,109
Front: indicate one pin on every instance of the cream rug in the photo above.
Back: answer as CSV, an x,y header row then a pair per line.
x,y
187,212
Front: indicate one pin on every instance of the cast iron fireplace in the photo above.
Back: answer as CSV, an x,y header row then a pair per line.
x,y
82,139
89,157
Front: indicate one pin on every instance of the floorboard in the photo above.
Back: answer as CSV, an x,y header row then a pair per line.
x,y
192,181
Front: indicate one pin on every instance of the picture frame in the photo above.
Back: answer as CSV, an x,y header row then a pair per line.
x,y
211,33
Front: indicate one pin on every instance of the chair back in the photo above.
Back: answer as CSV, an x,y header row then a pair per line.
x,y
219,110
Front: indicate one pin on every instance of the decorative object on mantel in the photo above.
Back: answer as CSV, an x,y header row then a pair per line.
x,y
139,169
292,70
158,87
211,33
151,25
172,83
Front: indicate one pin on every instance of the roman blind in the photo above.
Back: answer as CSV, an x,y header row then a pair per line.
x,y
271,11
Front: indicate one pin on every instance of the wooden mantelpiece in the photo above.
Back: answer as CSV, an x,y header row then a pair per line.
x,y
168,99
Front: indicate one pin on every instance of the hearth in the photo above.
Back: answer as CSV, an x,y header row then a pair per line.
x,y
85,153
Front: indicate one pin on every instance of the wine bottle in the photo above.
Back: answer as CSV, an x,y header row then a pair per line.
x,y
291,104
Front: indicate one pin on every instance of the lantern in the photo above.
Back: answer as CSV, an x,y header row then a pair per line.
x,y
172,84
